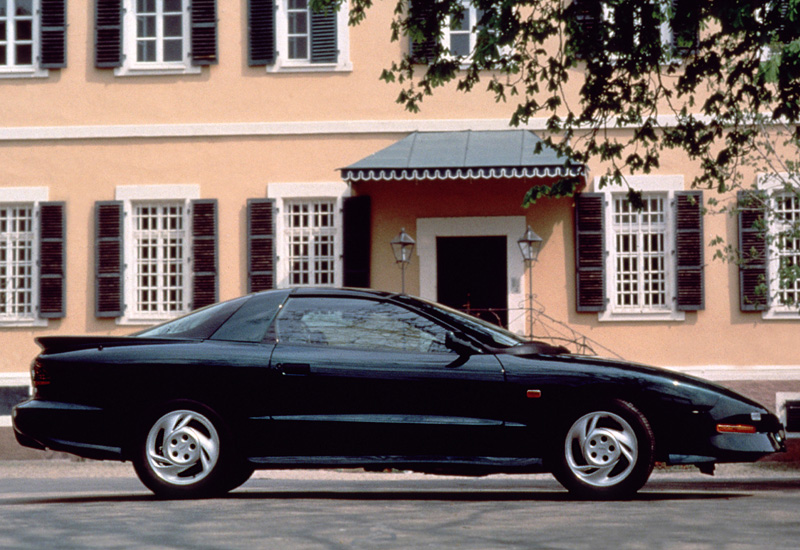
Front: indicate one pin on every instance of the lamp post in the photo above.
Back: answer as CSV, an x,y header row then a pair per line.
x,y
402,246
529,245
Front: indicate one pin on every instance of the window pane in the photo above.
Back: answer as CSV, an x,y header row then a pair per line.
x,y
3,60
172,6
173,25
173,50
24,54
24,7
146,51
24,29
459,44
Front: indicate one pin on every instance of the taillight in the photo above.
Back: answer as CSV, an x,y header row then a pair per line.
x,y
736,429
39,375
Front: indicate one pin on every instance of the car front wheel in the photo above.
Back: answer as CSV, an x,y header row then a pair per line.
x,y
606,452
183,453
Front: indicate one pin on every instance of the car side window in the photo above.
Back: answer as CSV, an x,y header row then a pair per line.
x,y
358,323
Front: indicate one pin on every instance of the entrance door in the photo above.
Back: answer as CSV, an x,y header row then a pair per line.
x,y
471,276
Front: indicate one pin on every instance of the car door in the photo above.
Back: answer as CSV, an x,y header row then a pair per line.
x,y
357,377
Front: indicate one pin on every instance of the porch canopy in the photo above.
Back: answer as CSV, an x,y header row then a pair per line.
x,y
463,155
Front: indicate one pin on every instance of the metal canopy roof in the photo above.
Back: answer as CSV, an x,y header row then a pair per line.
x,y
463,155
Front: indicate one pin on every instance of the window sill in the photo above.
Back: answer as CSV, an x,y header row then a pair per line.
x,y
27,72
280,67
23,323
781,315
158,69
658,316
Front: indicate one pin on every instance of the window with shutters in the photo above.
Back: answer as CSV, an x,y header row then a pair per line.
x,y
458,37
156,37
782,251
668,25
20,39
309,234
653,259
156,253
31,257
293,37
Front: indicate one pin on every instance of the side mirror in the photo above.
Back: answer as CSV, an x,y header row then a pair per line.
x,y
459,344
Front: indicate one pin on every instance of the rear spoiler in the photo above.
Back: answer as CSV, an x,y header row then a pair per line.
x,y
74,343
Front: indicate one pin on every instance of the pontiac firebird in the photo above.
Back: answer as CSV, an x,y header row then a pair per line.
x,y
346,378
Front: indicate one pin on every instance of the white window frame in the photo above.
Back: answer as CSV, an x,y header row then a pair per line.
x,y
24,71
773,184
662,185
286,193
28,196
154,194
284,64
667,37
473,23
132,67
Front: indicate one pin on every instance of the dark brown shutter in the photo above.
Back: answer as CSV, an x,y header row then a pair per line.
x,y
753,276
109,264
324,48
52,261
205,260
590,252
357,241
584,25
108,33
689,249
204,32
260,244
421,13
260,32
53,31
685,26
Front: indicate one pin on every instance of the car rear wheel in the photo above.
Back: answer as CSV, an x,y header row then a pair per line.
x,y
606,452
184,453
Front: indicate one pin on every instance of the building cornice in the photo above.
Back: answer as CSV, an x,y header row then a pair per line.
x,y
265,129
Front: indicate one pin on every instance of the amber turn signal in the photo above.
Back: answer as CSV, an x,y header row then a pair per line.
x,y
735,429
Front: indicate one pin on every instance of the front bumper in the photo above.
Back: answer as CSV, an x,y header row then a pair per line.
x,y
77,429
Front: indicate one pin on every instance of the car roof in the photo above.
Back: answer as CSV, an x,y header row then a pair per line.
x,y
341,292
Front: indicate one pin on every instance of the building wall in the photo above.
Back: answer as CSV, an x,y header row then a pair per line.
x,y
233,130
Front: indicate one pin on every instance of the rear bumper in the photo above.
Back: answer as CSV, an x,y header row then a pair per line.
x,y
76,429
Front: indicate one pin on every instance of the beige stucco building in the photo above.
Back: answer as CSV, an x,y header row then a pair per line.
x,y
150,169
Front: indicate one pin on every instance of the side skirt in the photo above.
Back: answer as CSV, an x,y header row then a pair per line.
x,y
454,465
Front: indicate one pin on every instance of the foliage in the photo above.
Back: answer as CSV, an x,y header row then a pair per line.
x,y
604,73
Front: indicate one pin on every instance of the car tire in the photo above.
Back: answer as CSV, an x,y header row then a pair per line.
x,y
606,452
184,451
237,476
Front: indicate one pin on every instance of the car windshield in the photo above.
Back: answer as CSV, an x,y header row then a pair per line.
x,y
201,323
486,332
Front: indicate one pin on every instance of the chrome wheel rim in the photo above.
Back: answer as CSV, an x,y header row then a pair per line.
x,y
601,449
182,447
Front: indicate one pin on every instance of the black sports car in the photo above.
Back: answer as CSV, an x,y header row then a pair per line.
x,y
312,378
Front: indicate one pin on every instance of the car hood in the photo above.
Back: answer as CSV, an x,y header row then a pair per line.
x,y
583,370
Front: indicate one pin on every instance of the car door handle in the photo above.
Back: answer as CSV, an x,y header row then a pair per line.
x,y
294,369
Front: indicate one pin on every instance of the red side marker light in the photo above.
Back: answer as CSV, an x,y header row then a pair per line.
x,y
735,429
533,394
